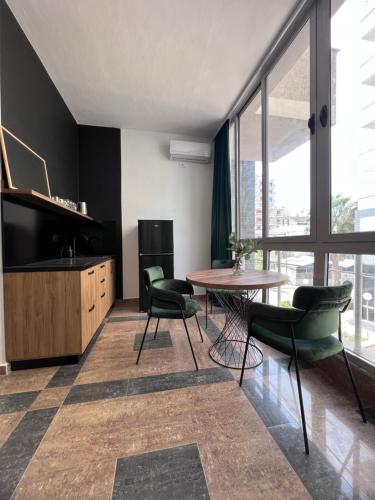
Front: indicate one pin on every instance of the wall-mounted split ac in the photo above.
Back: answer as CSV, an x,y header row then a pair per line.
x,y
186,151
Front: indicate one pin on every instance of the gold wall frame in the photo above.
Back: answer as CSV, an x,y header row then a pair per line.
x,y
8,167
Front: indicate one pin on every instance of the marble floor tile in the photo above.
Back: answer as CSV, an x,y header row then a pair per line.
x,y
8,422
238,455
268,406
178,380
250,441
97,391
173,473
26,380
113,357
333,425
64,376
50,398
164,382
317,474
163,339
20,401
16,452
120,319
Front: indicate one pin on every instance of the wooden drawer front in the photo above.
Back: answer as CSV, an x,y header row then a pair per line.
x,y
102,270
103,297
111,282
42,314
89,304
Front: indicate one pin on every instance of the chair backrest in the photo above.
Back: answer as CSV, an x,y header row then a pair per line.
x,y
152,274
324,304
222,263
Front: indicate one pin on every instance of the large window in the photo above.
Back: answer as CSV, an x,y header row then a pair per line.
x,y
250,169
359,319
306,165
353,116
288,145
298,266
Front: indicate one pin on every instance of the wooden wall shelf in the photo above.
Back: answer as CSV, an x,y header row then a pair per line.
x,y
40,200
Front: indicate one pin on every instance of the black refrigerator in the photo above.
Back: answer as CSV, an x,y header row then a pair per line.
x,y
155,245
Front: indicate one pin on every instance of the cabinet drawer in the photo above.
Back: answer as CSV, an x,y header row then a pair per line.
x,y
89,304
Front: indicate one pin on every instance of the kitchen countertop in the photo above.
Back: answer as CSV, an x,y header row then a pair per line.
x,y
64,264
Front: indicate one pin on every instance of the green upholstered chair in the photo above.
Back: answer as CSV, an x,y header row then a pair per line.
x,y
305,331
216,264
167,301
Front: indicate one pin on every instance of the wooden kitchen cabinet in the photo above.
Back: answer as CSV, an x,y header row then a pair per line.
x,y
56,313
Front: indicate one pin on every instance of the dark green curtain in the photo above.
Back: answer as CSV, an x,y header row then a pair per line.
x,y
221,222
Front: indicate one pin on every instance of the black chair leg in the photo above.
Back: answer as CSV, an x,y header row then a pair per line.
x,y
354,387
206,308
302,407
157,326
191,347
290,363
245,355
199,328
211,300
143,339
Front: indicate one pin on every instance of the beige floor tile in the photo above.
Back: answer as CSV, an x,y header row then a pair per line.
x,y
26,380
8,422
50,398
90,437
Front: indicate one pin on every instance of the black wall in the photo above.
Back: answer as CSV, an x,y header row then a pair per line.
x,y
100,186
33,109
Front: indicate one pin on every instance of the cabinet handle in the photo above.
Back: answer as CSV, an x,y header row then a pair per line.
x,y
91,272
102,281
101,267
92,308
102,295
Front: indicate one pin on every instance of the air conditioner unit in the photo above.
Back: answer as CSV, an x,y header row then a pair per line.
x,y
196,152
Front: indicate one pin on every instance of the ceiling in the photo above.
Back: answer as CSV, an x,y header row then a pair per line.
x,y
162,65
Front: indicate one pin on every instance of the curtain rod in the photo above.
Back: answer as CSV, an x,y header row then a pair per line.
x,y
272,52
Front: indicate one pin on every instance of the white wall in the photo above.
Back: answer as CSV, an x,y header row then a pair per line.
x,y
153,187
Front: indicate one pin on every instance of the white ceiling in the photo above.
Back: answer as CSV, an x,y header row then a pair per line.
x,y
161,65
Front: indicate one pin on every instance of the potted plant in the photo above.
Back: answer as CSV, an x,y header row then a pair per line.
x,y
242,250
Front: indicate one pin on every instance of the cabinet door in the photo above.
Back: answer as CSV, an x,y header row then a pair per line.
x,y
103,290
111,282
89,301
42,314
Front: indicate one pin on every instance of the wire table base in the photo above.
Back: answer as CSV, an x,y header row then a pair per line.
x,y
229,348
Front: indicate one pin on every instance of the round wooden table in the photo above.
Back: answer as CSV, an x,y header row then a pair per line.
x,y
234,294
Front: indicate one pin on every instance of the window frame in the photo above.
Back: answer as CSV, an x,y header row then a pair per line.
x,y
321,241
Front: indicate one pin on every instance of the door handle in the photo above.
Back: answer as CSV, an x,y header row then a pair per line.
x,y
102,281
102,295
92,308
323,115
91,272
311,124
101,267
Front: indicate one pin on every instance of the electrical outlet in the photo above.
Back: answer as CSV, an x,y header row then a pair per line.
x,y
55,238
